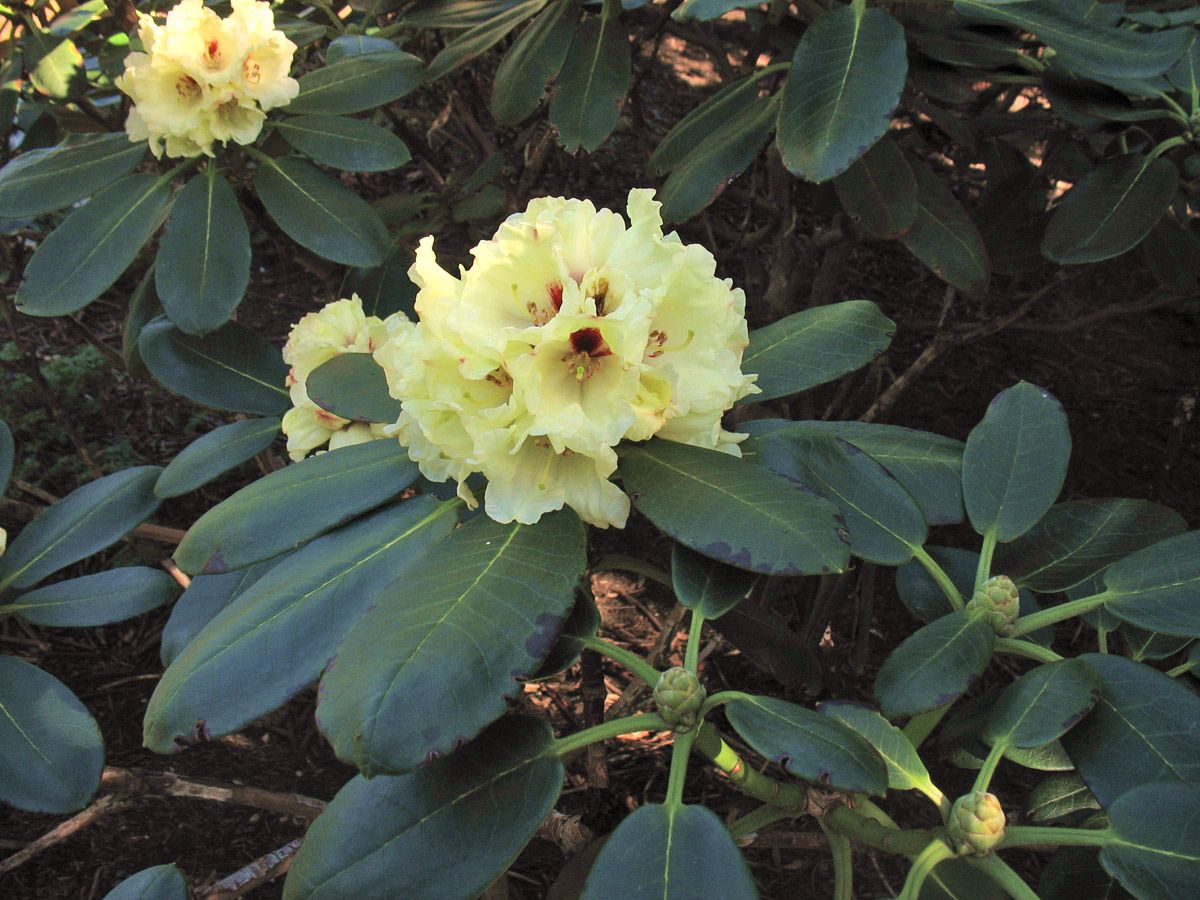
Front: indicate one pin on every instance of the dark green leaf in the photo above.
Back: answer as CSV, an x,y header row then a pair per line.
x,y
694,129
206,596
732,510
286,625
706,586
1158,588
945,238
480,38
1051,757
384,289
1058,796
87,520
355,83
706,10
143,306
341,143
345,46
845,81
1185,74
216,453
1043,704
1172,254
55,65
203,261
883,523
814,346
767,640
231,368
904,767
927,465
353,386
1074,873
1145,728
320,213
474,617
1111,209
44,180
443,832
670,853
935,665
534,58
293,505
98,599
1147,645
299,31
583,622
157,883
451,14
956,879
1077,539
809,745
80,259
1154,845
1015,461
6,456
51,753
879,192
589,91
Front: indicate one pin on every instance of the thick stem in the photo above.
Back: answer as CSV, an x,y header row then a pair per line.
x,y
984,778
1002,873
631,661
720,699
873,833
1060,613
936,852
1183,668
691,660
757,819
749,781
1027,649
681,751
984,570
606,730
1046,836
1101,638
938,574
843,864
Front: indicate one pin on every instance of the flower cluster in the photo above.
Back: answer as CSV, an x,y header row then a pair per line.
x,y
569,333
341,327
204,79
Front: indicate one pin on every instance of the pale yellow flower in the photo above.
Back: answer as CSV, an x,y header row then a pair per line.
x,y
3,541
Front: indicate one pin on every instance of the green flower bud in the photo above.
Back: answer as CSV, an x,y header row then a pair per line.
x,y
976,823
679,695
1000,599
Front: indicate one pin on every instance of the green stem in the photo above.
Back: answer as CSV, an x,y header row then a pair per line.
x,y
938,574
1176,111
1027,649
258,155
789,796
869,831
1169,144
1002,873
1183,668
691,659
984,778
843,864
720,699
681,750
920,726
611,10
626,658
1060,613
1101,638
927,860
1047,836
984,570
757,819
606,730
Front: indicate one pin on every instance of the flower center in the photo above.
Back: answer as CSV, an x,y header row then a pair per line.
x,y
251,72
587,349
187,87
213,51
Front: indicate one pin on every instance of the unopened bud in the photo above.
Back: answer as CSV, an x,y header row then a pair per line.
x,y
679,695
1001,600
976,823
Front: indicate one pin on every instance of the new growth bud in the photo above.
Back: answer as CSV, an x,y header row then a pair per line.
x,y
679,695
976,823
1000,599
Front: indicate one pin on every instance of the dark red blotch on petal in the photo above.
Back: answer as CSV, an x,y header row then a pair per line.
x,y
590,342
555,290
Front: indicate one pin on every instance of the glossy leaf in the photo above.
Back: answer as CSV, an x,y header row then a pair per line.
x,y
905,769
216,453
293,505
809,745
814,346
80,259
353,386
203,261
1079,538
355,83
143,306
845,81
1144,729
883,523
1059,796
231,368
1148,645
1111,209
55,65
733,511
156,883
1015,461
583,622
935,665
353,145
7,454
879,191
41,181
443,832
475,616
386,288
286,625
706,586
1043,704
320,213
945,238
98,599
536,56
670,853
1158,588
345,46
927,465
1074,873
592,84
206,596
87,520
1154,848
479,39
51,753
